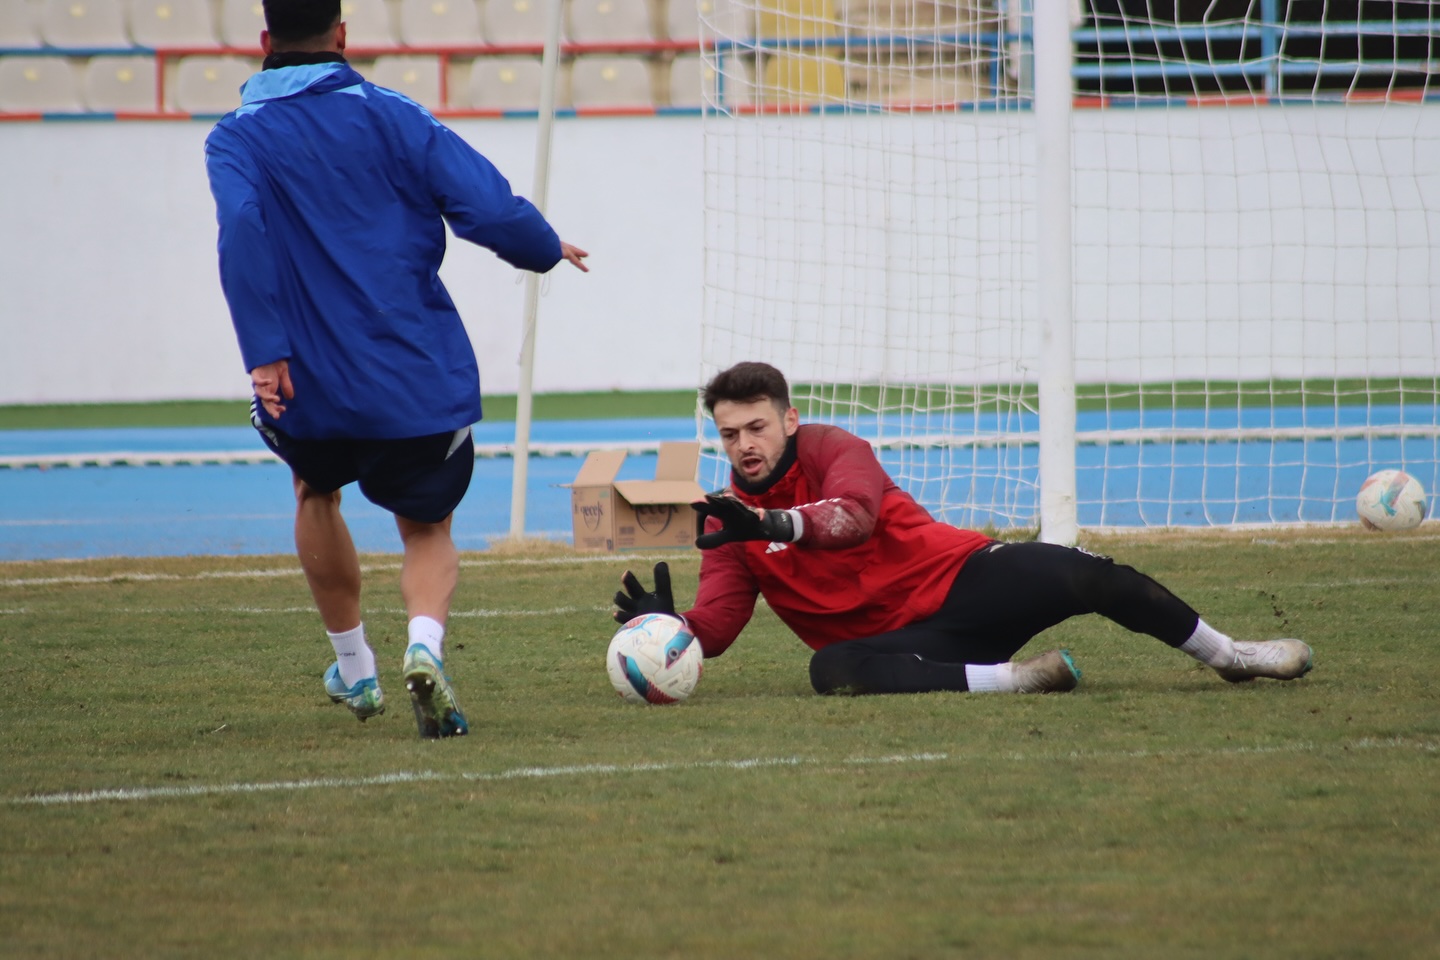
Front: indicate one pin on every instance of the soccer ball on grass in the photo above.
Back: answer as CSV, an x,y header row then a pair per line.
x,y
654,659
1391,500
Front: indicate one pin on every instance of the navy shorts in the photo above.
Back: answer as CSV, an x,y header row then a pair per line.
x,y
418,478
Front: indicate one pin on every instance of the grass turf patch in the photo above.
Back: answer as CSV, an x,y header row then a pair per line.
x,y
815,400
1155,811
231,413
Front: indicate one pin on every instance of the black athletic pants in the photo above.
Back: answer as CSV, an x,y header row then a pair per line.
x,y
1003,596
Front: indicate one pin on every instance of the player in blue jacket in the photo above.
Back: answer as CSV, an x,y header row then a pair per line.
x,y
332,196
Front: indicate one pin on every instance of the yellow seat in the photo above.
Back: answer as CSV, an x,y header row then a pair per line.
x,y
803,78
795,20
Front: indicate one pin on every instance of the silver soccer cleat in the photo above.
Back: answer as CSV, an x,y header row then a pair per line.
x,y
1276,659
1053,672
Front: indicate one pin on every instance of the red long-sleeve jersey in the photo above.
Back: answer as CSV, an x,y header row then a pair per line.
x,y
869,559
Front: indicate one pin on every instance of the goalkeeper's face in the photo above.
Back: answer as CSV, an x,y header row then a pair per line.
x,y
754,435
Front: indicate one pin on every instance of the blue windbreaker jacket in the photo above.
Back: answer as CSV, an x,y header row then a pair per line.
x,y
330,194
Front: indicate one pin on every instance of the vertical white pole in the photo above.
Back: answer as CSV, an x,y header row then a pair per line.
x,y
1054,54
524,400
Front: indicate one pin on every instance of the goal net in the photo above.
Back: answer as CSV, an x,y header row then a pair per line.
x,y
1255,246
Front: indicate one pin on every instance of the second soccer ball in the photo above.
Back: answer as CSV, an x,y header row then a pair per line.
x,y
1391,500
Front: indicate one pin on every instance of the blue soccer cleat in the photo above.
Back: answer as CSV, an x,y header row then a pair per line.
x,y
436,712
365,699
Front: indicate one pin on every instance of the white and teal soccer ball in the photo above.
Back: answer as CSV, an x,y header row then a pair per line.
x,y
1391,500
654,659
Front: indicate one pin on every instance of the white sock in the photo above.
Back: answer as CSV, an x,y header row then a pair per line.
x,y
990,677
429,634
356,659
1209,646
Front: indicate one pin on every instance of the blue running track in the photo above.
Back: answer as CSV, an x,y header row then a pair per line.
x,y
75,512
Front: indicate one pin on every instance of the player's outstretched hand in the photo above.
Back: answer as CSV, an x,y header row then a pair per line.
x,y
739,522
633,601
574,255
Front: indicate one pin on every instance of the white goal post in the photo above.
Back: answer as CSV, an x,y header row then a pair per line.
x,y
1207,295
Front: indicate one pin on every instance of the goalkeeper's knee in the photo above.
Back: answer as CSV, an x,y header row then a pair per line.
x,y
836,670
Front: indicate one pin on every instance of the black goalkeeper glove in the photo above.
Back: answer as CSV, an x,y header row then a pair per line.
x,y
739,522
634,602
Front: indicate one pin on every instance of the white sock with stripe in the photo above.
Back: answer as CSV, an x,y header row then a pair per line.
x,y
356,659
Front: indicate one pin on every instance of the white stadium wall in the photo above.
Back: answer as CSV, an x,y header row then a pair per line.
x,y
108,287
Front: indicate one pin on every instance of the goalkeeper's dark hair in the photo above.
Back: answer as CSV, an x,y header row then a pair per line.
x,y
297,21
747,382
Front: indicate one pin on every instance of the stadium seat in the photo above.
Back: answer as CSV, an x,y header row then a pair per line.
x,y
693,82
83,23
803,78
795,19
948,86
120,84
417,77
38,85
611,82
241,22
431,23
515,21
909,77
210,85
505,83
172,23
19,26
367,23
727,18
604,21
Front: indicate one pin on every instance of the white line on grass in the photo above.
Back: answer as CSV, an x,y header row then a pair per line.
x,y
1310,542
481,613
613,769
288,571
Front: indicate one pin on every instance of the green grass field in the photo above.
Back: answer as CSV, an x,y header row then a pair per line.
x,y
815,399
1156,811
230,413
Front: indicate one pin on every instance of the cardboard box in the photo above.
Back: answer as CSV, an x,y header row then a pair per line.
x,y
613,515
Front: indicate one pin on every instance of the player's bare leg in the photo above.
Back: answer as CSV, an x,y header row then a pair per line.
x,y
332,569
327,555
427,583
430,570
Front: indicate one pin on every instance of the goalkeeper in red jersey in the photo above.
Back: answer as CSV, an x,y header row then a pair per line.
x,y
890,600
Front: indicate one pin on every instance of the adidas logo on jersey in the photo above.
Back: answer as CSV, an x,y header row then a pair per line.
x,y
776,547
